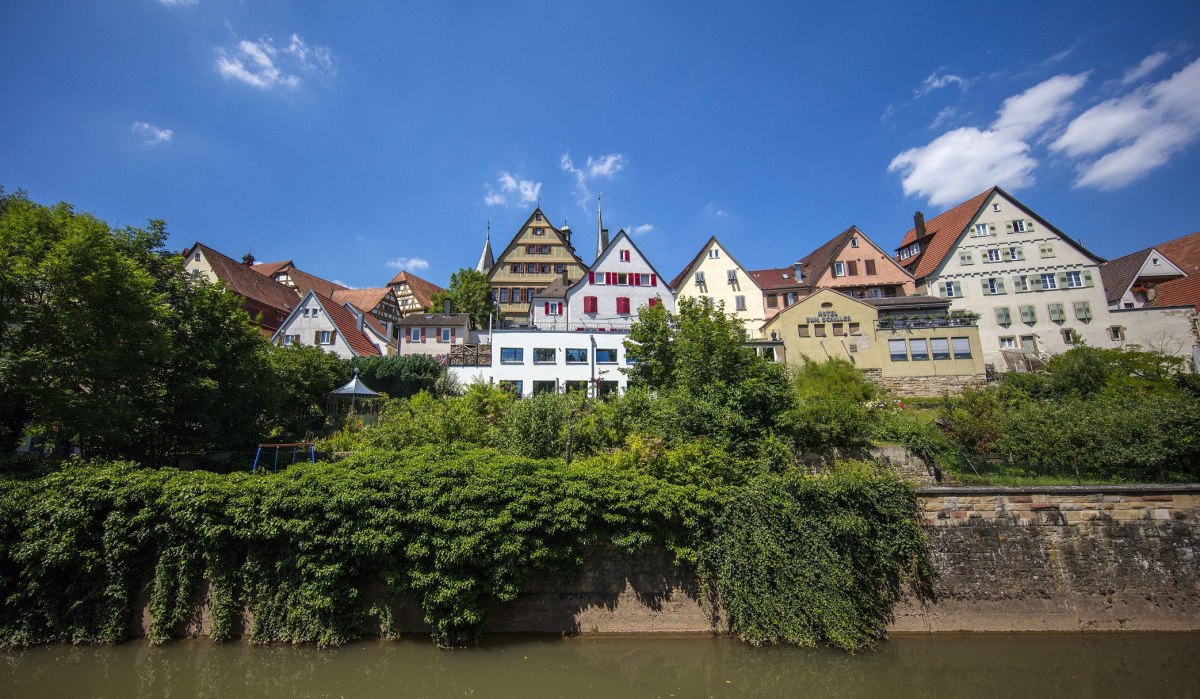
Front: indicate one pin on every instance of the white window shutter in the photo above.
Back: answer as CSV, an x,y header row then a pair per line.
x,y
992,228
999,286
1008,226
1087,278
942,289
1028,224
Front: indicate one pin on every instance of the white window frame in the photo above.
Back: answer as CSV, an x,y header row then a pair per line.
x,y
982,230
1049,281
1074,279
444,334
414,334
839,269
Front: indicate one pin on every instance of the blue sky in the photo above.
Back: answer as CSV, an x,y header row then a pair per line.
x,y
358,138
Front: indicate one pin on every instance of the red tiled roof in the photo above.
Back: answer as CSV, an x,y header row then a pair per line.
x,y
421,289
347,326
1184,291
242,280
270,268
1184,252
942,232
306,282
362,299
774,279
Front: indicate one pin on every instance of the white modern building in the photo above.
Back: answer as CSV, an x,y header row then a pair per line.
x,y
536,361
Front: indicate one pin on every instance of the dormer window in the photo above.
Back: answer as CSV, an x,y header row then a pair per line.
x,y
537,216
854,242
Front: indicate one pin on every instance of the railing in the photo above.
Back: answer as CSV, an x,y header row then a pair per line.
x,y
923,323
470,355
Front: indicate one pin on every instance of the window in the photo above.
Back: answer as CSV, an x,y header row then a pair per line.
x,y
545,387
839,329
291,339
576,355
1029,343
445,334
966,258
504,295
802,330
907,252
517,268
196,256
325,337
995,207
897,350
1116,333
1046,250
739,303
512,355
1003,316
982,229
819,330
993,286
414,334
839,269
531,249
1020,283
1028,315
514,387
699,278
543,355
590,304
624,255
606,356
852,268
531,268
993,255
714,254
950,290
1074,280
790,298
1069,336
544,249
622,279
544,269
855,329
516,295
576,386
560,268
731,276
1048,281
195,274
606,388
869,265
962,347
1017,226
1008,343
919,350
537,216
1014,253
940,347
1057,315
1083,311
854,242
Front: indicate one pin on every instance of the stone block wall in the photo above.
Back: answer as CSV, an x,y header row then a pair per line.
x,y
929,386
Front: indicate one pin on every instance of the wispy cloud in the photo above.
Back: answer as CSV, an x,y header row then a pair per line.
x,y
178,3
642,229
510,189
339,282
943,116
711,210
151,134
966,160
937,80
264,65
1148,65
408,264
603,167
1141,131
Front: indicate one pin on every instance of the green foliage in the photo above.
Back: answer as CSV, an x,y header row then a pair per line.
x,y
401,377
472,419
300,376
817,559
469,292
834,377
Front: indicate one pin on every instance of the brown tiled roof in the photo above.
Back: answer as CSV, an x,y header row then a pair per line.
x,y
422,290
907,302
816,262
1120,273
347,326
270,268
242,280
362,299
775,279
942,232
555,290
306,282
1184,291
1184,252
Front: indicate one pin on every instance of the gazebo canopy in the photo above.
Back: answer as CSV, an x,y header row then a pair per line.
x,y
354,388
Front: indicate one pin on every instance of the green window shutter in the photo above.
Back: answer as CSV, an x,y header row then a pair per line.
x,y
1018,254
1000,287
992,228
1002,316
984,284
1062,279
1008,226
942,289
964,257
1029,224
1087,278
1035,283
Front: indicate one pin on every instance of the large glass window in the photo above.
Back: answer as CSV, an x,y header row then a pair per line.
x,y
919,350
545,387
576,355
516,387
940,347
543,355
898,350
512,355
962,347
606,356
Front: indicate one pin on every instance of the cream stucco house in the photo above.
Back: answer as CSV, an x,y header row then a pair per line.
x,y
714,275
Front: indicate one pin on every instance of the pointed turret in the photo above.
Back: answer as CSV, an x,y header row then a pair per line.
x,y
601,231
486,261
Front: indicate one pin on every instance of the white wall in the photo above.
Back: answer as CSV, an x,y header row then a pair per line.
x,y
306,326
527,370
1169,330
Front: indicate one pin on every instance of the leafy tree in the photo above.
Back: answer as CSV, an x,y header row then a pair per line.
x,y
401,377
298,379
468,292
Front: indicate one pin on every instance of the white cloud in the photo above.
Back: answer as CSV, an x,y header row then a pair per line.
x,y
511,189
408,264
261,64
711,210
943,116
1148,65
1145,128
1024,114
937,81
178,3
151,134
965,161
339,282
642,229
603,167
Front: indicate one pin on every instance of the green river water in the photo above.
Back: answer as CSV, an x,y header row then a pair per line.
x,y
1013,666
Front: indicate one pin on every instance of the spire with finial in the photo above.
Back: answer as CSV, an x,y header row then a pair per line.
x,y
486,261
601,231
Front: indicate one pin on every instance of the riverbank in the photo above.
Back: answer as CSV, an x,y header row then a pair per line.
x,y
1051,558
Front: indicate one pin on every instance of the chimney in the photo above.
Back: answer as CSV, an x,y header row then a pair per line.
x,y
446,306
919,224
248,259
566,278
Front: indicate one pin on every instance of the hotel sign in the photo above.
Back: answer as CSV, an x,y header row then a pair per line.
x,y
828,317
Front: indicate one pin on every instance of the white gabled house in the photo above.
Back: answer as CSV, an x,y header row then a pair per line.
x,y
608,297
341,329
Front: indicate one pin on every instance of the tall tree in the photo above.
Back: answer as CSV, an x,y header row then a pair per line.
x,y
468,292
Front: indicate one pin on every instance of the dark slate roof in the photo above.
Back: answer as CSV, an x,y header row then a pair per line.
x,y
438,319
1117,275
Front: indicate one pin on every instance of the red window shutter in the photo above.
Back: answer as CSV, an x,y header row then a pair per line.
x,y
608,278
547,308
653,302
453,334
422,334
560,308
623,305
591,277
589,304
653,280
637,279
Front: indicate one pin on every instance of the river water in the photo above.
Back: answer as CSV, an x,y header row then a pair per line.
x,y
975,666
